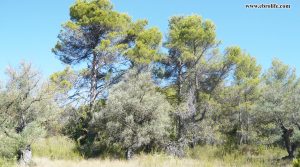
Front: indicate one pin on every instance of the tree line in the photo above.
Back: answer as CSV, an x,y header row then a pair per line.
x,y
126,91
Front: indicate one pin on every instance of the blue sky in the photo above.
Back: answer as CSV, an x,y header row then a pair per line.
x,y
29,28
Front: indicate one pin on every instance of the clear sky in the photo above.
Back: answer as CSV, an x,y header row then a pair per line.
x,y
29,28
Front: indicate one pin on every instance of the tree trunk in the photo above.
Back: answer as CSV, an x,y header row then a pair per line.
x,y
180,127
25,156
287,133
93,89
129,153
194,142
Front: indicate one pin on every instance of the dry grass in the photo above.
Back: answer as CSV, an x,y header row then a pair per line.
x,y
57,147
144,161
61,152
153,161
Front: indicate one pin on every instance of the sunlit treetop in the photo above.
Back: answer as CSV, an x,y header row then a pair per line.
x,y
191,36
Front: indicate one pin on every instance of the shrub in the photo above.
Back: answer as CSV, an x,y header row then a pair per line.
x,y
136,116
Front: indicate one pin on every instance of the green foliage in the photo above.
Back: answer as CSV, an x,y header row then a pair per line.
x,y
98,12
203,97
296,161
147,47
277,110
6,163
242,97
171,94
195,71
63,81
278,103
27,109
9,147
247,70
77,123
191,36
104,43
136,115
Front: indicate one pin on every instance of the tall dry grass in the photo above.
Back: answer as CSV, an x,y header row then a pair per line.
x,y
57,147
142,161
152,161
61,152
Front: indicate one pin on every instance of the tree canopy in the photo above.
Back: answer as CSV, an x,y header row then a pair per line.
x,y
126,90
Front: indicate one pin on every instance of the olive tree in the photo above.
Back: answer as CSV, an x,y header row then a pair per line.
x,y
277,113
136,116
26,107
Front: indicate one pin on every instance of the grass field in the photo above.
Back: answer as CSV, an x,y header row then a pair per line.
x,y
61,152
157,161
